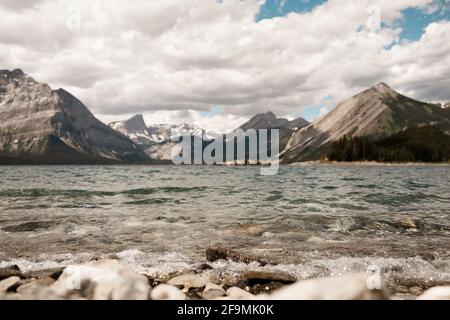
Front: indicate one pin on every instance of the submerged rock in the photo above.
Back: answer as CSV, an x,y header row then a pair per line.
x,y
436,293
347,287
218,253
102,280
266,276
167,292
29,226
250,230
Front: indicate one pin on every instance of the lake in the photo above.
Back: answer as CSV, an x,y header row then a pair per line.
x,y
311,221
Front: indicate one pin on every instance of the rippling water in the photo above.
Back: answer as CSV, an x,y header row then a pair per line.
x,y
311,220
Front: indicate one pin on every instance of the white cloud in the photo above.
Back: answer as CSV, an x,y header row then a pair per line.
x,y
323,112
160,57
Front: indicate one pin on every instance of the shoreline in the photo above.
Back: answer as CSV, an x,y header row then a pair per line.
x,y
368,164
210,278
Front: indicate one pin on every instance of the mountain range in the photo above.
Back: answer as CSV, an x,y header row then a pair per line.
x,y
158,140
39,125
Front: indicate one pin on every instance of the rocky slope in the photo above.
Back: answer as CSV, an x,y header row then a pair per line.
x,y
376,113
41,125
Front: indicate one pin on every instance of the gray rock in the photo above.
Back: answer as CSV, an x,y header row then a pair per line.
x,y
10,271
347,287
53,273
167,292
266,276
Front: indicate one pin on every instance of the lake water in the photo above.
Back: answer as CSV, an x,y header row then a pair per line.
x,y
312,221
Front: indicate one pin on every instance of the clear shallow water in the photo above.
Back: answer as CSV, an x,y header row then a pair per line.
x,y
311,220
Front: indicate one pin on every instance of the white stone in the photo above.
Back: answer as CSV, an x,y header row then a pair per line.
x,y
436,293
102,280
190,280
167,292
347,287
8,283
213,291
238,293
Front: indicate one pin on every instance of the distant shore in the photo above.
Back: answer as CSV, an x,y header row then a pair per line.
x,y
368,163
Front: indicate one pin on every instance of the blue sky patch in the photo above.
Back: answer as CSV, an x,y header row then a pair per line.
x,y
414,20
216,110
280,8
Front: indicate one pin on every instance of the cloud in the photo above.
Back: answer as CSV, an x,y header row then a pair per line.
x,y
160,57
323,112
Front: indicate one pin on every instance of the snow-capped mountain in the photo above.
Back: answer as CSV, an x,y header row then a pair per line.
x,y
166,132
136,129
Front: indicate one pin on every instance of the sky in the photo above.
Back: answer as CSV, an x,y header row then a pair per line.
x,y
216,63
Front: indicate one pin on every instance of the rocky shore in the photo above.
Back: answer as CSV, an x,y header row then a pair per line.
x,y
110,279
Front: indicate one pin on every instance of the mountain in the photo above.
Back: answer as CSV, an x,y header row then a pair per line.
x,y
270,121
45,126
376,113
136,129
298,123
174,132
157,141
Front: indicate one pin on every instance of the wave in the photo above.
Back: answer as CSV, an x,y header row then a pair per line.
x,y
76,193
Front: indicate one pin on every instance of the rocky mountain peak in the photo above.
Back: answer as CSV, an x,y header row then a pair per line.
x,y
269,120
16,75
385,90
136,123
269,115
